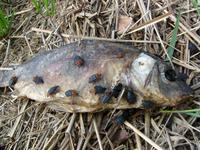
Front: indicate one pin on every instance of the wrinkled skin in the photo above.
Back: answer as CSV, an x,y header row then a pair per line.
x,y
118,63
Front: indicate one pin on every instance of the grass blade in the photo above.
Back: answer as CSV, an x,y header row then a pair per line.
x,y
4,24
190,112
193,115
170,49
48,5
181,111
195,5
37,5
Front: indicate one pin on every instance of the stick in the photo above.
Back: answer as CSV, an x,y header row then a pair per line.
x,y
97,133
143,136
92,38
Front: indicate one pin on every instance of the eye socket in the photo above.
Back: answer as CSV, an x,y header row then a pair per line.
x,y
170,75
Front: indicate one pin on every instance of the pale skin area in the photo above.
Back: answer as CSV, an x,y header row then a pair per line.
x,y
118,63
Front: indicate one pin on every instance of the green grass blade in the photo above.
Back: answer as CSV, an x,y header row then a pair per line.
x,y
170,49
50,7
195,5
181,111
191,112
46,4
53,7
4,24
193,115
37,5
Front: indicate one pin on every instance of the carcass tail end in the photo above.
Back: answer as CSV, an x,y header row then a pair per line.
x,y
5,76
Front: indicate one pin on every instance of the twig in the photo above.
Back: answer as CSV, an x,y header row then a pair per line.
x,y
143,136
52,140
7,50
147,126
97,133
28,45
21,12
9,69
22,110
71,123
150,22
92,38
90,132
184,26
81,139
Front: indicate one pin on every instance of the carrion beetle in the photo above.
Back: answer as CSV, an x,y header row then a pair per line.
x,y
116,90
106,97
147,104
131,97
99,89
53,90
95,77
13,81
71,93
78,61
38,80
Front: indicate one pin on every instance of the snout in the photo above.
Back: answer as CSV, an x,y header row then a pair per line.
x,y
181,94
186,92
175,92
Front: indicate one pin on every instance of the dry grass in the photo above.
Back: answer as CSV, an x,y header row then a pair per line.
x,y
29,125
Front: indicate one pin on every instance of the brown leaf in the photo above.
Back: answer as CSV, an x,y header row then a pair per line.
x,y
120,136
123,23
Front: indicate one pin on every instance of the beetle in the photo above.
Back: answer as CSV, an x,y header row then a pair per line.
x,y
38,80
71,93
193,49
2,147
78,61
147,104
53,90
116,90
131,97
120,119
13,81
95,78
106,97
99,89
124,116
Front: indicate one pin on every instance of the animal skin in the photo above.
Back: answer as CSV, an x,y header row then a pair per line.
x,y
82,76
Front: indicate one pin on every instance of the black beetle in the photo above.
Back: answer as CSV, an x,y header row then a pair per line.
x,y
78,61
70,93
106,97
116,90
38,80
13,81
95,77
124,116
53,90
147,104
2,147
99,89
131,97
193,49
120,119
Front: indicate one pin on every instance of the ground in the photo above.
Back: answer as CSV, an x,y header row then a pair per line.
x,y
25,124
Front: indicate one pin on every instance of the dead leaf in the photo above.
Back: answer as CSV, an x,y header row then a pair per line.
x,y
123,23
120,136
